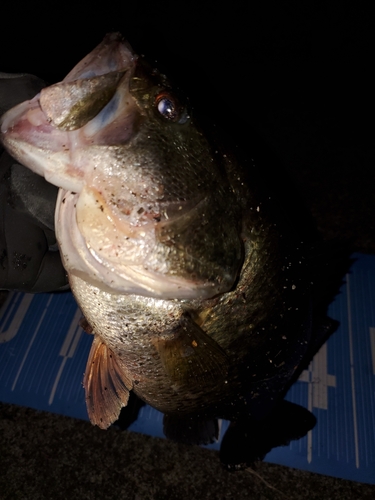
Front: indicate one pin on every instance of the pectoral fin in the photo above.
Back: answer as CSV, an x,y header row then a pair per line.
x,y
192,358
106,385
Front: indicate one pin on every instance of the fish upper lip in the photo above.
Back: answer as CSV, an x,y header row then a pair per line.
x,y
9,117
13,116
114,54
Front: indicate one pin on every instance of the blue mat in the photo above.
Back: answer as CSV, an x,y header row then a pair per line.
x,y
43,354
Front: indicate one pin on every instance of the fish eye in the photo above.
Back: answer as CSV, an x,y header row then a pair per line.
x,y
169,108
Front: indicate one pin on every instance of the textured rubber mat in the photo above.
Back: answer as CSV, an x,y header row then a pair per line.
x,y
43,354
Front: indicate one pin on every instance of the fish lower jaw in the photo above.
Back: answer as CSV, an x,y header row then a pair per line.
x,y
34,158
118,277
136,282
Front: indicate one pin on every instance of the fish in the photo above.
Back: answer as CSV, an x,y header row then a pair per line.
x,y
197,287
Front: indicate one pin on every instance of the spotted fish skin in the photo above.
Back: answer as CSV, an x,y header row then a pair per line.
x,y
193,281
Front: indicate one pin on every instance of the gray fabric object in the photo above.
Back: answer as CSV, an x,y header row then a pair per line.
x,y
29,256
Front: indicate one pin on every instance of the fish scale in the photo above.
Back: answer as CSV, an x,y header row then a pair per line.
x,y
192,278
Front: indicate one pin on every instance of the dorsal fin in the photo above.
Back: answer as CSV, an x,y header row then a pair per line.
x,y
106,384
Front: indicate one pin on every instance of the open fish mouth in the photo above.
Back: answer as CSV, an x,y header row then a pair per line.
x,y
49,133
141,208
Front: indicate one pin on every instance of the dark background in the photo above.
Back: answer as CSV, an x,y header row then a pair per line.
x,y
291,84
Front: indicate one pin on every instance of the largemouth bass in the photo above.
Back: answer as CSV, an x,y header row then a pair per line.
x,y
194,283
